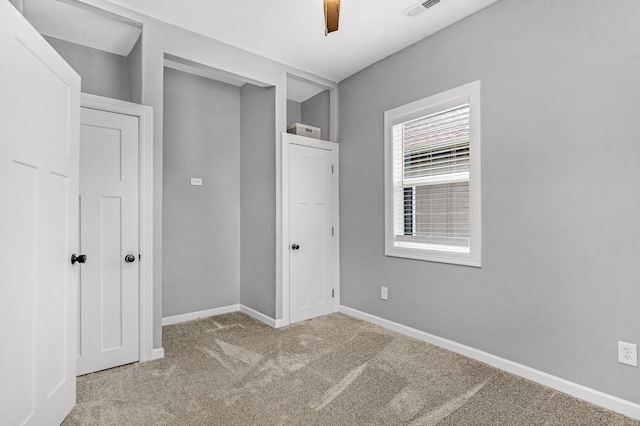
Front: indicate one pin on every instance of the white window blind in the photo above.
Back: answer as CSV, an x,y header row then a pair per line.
x,y
431,179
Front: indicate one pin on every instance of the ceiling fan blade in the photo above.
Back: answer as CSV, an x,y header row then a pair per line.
x,y
331,15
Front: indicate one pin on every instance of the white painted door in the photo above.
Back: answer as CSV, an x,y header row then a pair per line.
x,y
310,232
108,292
39,123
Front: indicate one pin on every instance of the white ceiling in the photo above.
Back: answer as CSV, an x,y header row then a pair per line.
x,y
287,31
292,31
70,23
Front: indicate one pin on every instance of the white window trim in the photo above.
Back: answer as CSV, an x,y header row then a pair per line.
x,y
470,93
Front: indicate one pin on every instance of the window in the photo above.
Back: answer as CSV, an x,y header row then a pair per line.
x,y
432,178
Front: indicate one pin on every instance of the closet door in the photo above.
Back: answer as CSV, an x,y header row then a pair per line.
x,y
311,232
109,280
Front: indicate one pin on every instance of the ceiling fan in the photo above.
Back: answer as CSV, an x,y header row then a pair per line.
x,y
331,15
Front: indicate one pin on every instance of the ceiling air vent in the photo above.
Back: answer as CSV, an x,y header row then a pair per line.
x,y
417,9
427,4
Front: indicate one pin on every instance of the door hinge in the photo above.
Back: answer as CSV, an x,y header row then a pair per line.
x,y
333,292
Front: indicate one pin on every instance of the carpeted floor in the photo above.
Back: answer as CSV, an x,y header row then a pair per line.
x,y
335,370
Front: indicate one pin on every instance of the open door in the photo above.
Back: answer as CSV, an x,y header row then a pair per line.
x,y
39,134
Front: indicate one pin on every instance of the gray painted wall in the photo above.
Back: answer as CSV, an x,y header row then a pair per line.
x,y
560,166
160,37
258,199
294,112
102,73
315,112
134,72
201,227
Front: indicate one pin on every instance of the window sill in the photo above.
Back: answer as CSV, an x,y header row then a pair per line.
x,y
454,256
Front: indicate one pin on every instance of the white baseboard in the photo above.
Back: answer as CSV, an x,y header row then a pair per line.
x,y
593,396
157,353
199,314
260,316
222,310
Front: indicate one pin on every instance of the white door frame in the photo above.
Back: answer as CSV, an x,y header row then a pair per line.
x,y
289,139
145,201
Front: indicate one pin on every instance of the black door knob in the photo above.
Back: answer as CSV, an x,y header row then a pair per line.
x,y
81,258
129,258
294,247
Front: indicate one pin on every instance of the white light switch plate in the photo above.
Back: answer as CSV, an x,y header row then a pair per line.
x,y
196,181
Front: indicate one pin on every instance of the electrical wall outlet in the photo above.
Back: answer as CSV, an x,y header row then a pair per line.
x,y
196,181
384,293
628,353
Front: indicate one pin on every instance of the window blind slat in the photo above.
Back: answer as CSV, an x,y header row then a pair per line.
x,y
431,177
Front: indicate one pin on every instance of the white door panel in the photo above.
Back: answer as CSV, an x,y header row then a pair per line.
x,y
39,121
311,221
108,332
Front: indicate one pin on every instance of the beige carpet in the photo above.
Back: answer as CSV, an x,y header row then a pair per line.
x,y
335,370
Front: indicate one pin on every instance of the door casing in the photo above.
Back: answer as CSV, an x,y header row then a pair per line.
x,y
145,210
288,139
